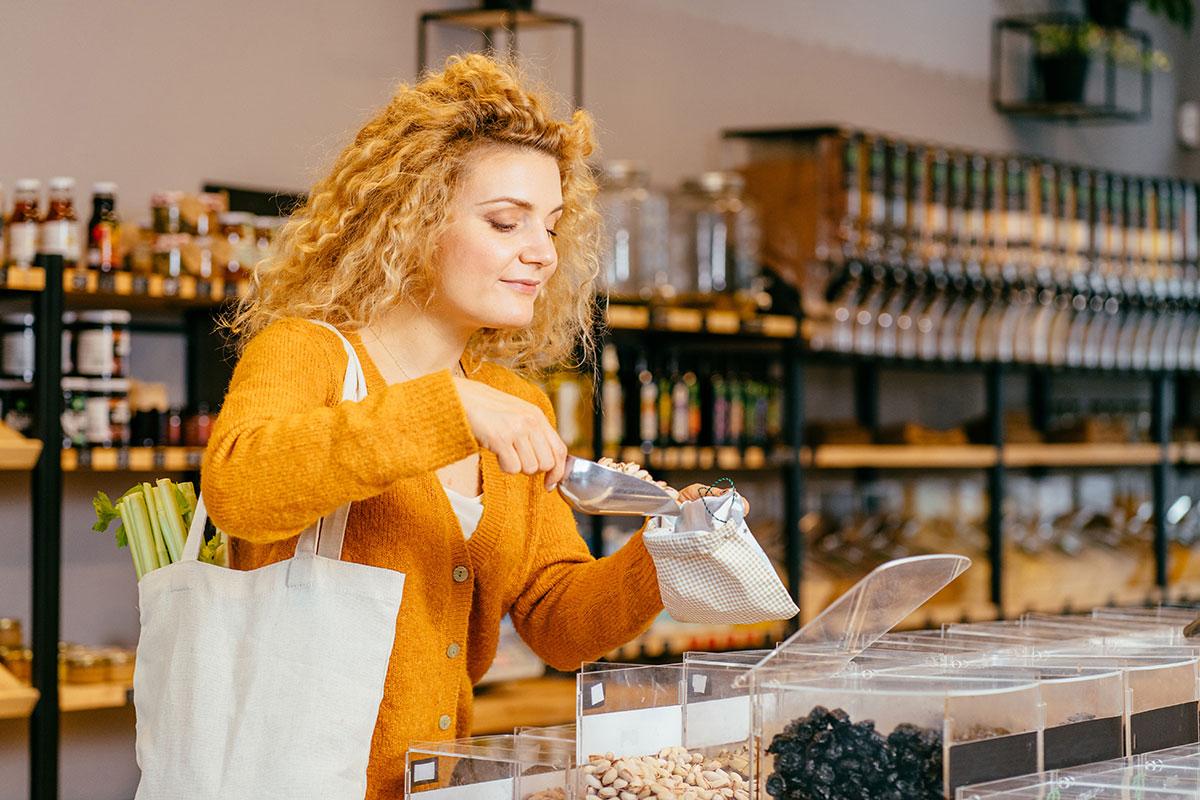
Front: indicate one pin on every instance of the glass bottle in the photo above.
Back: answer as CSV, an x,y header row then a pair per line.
x,y
104,229
60,232
24,223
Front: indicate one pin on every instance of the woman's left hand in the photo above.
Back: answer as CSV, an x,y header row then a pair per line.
x,y
697,490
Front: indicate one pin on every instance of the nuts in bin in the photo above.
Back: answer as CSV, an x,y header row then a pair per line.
x,y
674,774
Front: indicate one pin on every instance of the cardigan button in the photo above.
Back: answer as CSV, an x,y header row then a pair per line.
x,y
461,574
453,650
444,722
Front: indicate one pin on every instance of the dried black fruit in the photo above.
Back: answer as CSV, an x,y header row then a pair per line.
x,y
825,756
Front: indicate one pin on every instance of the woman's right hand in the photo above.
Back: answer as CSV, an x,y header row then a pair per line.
x,y
516,431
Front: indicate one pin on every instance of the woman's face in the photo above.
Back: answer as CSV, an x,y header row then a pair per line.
x,y
498,252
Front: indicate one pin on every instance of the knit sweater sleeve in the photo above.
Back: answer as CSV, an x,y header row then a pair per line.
x,y
571,607
286,449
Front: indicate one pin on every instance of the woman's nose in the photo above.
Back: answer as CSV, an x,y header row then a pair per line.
x,y
540,250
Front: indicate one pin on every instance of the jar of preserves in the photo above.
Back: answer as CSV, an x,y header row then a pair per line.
x,y
101,343
24,223
239,244
165,213
168,254
88,666
17,357
19,661
11,636
106,405
198,427
74,412
16,405
633,255
60,228
715,239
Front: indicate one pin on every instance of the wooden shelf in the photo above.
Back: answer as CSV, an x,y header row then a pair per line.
x,y
902,456
718,322
124,288
703,458
16,451
532,702
16,699
1081,455
93,696
132,459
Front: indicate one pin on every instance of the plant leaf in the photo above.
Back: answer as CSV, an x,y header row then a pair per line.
x,y
105,512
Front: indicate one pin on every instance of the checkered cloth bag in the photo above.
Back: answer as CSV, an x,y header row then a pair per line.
x,y
711,568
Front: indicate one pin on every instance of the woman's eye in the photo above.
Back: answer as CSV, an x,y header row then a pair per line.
x,y
503,227
553,234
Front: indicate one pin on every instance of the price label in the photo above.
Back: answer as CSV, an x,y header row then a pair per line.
x,y
194,457
107,282
123,458
160,458
170,287
79,281
140,285
204,289
84,459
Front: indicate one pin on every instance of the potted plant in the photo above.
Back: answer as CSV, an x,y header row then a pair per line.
x,y
1063,54
1115,13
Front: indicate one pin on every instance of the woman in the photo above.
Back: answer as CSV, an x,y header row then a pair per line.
x,y
453,243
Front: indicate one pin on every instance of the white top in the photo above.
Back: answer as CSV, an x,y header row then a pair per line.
x,y
469,510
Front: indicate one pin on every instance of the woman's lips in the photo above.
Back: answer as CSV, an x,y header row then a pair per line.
x,y
524,287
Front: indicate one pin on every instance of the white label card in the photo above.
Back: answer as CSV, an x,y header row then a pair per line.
x,y
630,733
716,722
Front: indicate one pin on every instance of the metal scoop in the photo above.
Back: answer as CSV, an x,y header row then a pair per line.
x,y
599,490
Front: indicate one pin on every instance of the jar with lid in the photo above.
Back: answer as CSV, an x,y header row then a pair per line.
x,y
88,666
165,212
208,216
74,412
168,254
18,661
198,426
101,343
24,223
239,244
106,405
60,228
16,405
633,255
11,636
104,229
17,357
715,236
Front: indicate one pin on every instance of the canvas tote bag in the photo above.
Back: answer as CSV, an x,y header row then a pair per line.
x,y
267,683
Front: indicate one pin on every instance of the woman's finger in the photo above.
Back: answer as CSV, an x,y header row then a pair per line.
x,y
559,450
528,455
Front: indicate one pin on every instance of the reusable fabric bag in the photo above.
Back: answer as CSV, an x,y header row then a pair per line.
x,y
712,569
267,683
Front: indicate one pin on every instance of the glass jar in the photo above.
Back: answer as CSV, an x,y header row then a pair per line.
x,y
106,405
633,255
74,412
238,244
198,427
715,238
120,664
16,405
101,343
11,636
165,212
168,254
88,666
171,434
104,229
19,661
17,358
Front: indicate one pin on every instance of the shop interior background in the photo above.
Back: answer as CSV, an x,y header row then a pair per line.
x,y
171,95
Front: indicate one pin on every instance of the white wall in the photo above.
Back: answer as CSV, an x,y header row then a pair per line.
x,y
167,95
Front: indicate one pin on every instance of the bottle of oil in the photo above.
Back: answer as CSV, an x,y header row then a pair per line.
x,y
24,223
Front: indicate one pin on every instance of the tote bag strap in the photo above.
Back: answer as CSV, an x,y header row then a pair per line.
x,y
325,536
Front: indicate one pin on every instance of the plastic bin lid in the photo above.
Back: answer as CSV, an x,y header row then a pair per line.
x,y
875,605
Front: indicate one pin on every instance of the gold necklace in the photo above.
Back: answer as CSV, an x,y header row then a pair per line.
x,y
462,373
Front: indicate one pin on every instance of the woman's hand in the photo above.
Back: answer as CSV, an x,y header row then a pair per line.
x,y
697,490
516,431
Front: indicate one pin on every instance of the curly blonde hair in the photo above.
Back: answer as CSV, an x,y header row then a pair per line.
x,y
367,237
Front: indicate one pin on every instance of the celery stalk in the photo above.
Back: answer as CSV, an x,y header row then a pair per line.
x,y
189,498
135,549
138,528
160,536
168,514
143,510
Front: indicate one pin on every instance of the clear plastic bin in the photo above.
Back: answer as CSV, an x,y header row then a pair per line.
x,y
1083,709
1164,774
1161,691
561,733
922,736
490,768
